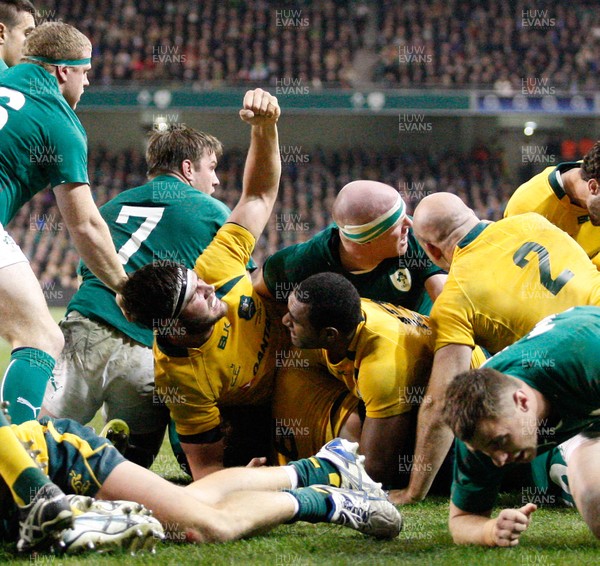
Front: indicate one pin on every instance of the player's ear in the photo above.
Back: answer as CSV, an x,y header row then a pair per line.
x,y
434,251
330,334
593,186
2,33
521,400
187,169
61,74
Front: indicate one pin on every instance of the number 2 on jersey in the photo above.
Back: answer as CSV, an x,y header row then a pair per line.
x,y
152,216
553,285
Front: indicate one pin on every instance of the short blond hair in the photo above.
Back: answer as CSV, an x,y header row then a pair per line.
x,y
55,40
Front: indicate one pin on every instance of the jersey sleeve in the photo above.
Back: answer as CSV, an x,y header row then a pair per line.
x,y
226,256
66,161
476,481
451,318
192,404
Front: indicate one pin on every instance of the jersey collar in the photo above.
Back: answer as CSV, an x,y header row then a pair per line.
x,y
473,233
553,179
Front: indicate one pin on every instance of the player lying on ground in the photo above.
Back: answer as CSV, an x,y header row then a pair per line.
x,y
230,504
541,391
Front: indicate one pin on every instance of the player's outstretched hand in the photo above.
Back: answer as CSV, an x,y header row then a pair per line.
x,y
260,108
511,524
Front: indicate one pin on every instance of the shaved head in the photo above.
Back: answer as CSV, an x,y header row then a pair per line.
x,y
440,215
360,202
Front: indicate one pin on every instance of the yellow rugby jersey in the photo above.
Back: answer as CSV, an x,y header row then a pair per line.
x,y
508,275
388,361
544,195
235,366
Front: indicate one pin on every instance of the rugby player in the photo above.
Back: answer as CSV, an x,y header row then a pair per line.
x,y
371,244
329,487
17,21
569,196
503,278
107,361
539,393
372,351
42,142
215,340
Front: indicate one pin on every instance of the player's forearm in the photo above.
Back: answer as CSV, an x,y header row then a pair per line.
x,y
434,439
263,163
95,246
472,529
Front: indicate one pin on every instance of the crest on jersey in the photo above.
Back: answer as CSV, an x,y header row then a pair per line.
x,y
247,308
401,279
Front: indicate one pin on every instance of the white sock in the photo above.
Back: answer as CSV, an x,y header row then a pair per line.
x,y
293,475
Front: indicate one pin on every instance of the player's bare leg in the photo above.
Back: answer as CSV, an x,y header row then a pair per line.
x,y
34,337
187,518
583,471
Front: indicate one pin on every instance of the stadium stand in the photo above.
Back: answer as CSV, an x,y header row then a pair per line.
x,y
442,43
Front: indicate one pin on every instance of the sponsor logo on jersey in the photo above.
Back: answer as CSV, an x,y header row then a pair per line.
x,y
401,279
247,308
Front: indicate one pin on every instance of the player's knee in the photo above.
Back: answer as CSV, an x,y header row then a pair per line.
x,y
588,504
216,531
46,337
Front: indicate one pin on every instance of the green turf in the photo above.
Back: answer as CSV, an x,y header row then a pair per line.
x,y
556,537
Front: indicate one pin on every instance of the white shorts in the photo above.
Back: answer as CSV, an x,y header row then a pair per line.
x,y
100,367
569,446
10,252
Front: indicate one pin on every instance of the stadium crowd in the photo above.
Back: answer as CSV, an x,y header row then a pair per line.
x,y
449,44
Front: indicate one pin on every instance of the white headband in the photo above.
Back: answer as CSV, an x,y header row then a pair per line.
x,y
185,290
363,233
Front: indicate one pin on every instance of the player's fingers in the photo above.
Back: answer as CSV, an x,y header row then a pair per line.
x,y
528,509
249,99
520,527
246,114
274,109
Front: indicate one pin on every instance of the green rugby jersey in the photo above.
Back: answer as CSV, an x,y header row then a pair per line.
x,y
3,65
398,280
165,219
42,142
559,358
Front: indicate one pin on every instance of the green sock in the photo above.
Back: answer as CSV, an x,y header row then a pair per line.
x,y
314,505
25,382
316,471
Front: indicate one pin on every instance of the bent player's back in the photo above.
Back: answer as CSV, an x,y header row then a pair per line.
x,y
507,276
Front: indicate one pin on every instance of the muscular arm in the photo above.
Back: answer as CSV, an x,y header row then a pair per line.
x,y
434,438
382,442
204,459
504,530
435,284
90,233
263,164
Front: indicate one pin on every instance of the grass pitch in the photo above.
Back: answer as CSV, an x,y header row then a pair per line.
x,y
557,537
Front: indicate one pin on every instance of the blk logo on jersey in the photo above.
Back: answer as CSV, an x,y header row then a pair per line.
x,y
247,308
401,279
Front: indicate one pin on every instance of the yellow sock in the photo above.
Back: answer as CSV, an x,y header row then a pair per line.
x,y
19,471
